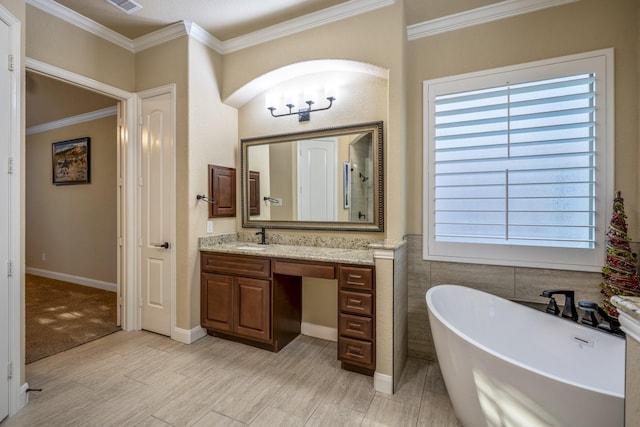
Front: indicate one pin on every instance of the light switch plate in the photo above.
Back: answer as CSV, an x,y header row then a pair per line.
x,y
209,226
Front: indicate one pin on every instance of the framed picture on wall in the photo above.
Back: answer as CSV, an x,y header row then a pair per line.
x,y
71,161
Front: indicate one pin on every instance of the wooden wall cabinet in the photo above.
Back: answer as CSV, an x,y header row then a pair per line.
x,y
222,191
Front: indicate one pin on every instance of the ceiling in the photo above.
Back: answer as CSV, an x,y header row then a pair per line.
x,y
226,19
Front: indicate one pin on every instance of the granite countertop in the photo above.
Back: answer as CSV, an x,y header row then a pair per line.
x,y
629,309
308,253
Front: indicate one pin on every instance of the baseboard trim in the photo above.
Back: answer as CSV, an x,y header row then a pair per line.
x,y
383,383
84,281
188,336
319,331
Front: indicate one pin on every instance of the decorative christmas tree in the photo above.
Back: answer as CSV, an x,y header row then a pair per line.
x,y
620,272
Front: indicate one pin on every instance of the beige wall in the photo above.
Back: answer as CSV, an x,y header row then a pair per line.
x,y
573,28
74,225
56,42
212,139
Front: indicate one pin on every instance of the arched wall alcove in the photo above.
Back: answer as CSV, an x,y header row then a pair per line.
x,y
361,91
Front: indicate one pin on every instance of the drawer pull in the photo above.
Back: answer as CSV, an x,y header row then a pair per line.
x,y
355,276
354,350
354,326
353,301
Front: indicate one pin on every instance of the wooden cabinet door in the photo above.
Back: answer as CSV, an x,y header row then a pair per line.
x,y
253,314
217,302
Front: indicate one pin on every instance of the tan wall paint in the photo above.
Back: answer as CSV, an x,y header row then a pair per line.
x,y
155,67
577,27
213,139
75,225
56,42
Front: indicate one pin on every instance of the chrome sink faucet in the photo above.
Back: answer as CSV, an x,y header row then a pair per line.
x,y
569,311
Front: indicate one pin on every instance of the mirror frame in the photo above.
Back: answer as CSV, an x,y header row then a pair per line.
x,y
377,225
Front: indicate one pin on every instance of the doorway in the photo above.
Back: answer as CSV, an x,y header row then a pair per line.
x,y
71,230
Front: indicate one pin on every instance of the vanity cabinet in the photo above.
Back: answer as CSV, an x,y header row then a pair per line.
x,y
237,299
356,314
258,300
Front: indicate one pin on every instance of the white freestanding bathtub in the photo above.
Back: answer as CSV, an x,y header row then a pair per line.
x,y
505,364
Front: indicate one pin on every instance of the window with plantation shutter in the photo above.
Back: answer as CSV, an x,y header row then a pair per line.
x,y
517,169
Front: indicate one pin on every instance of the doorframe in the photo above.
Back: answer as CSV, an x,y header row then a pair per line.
x,y
17,391
128,168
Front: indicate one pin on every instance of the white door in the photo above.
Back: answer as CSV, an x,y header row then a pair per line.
x,y
5,113
157,211
317,170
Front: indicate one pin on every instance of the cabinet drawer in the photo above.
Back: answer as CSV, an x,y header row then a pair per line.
x,y
356,278
302,269
234,264
356,302
355,326
357,351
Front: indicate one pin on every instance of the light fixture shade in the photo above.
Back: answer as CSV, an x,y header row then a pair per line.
x,y
270,100
290,97
330,91
310,94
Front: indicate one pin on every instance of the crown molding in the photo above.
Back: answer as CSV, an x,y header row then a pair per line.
x,y
200,34
73,120
160,36
81,21
312,20
481,15
303,23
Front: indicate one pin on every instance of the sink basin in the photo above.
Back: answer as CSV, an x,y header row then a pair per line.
x,y
251,248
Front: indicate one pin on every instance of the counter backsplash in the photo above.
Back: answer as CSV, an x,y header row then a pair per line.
x,y
288,239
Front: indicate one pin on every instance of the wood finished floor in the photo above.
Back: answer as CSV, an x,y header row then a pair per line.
x,y
143,379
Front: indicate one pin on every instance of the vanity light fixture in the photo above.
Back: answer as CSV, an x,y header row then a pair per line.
x,y
304,114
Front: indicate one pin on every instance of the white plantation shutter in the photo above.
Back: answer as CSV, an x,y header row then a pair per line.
x,y
519,164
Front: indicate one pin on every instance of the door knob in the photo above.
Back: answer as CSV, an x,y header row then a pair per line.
x,y
161,245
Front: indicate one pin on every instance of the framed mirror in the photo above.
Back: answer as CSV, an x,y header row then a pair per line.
x,y
328,179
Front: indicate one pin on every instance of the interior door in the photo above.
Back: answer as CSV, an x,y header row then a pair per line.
x,y
5,106
317,191
157,211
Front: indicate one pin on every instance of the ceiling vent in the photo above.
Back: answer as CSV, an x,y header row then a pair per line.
x,y
127,6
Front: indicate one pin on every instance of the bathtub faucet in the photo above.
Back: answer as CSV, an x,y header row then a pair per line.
x,y
608,323
569,310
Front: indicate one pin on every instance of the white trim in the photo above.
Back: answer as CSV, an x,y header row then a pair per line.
x,y
319,331
383,383
78,280
384,254
287,28
17,392
304,23
526,256
75,79
200,34
188,336
481,15
160,36
73,120
74,18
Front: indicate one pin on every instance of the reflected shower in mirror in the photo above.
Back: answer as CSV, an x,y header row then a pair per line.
x,y
323,179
